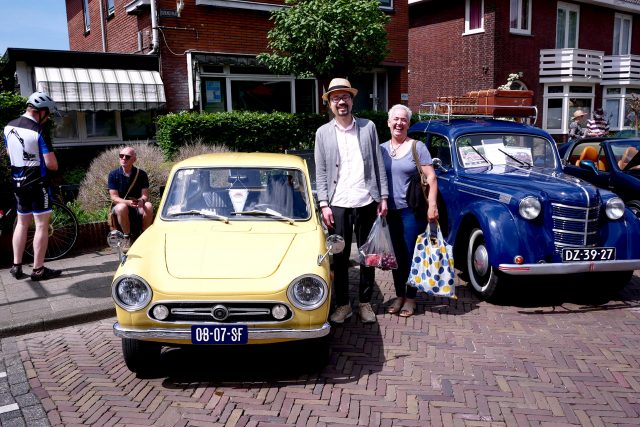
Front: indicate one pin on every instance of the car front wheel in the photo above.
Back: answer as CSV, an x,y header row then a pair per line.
x,y
634,205
141,357
483,277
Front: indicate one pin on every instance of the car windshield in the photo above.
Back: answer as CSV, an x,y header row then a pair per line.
x,y
523,151
270,194
626,155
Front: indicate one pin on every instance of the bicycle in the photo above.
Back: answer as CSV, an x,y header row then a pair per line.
x,y
63,229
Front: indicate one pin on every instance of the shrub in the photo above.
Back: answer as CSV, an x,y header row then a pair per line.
x,y
93,196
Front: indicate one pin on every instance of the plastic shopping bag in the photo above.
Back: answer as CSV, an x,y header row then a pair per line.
x,y
432,268
377,251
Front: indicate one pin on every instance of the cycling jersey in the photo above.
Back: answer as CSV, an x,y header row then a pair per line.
x,y
26,147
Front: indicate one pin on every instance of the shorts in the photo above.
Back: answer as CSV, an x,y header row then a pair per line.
x,y
135,216
34,199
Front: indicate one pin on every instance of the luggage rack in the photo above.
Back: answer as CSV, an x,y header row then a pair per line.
x,y
453,110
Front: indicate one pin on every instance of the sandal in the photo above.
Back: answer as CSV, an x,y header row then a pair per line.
x,y
395,306
408,309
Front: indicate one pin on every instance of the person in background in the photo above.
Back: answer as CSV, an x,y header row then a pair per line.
x,y
129,192
577,128
352,190
597,125
31,157
405,225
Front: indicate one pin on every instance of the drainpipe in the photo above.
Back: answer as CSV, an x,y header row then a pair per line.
x,y
154,28
104,35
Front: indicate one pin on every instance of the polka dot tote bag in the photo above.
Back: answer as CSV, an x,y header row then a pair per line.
x,y
432,268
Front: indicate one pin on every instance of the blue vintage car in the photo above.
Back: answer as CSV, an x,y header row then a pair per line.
x,y
613,164
509,209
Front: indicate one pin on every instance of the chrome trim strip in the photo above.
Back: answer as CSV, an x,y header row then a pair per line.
x,y
569,267
185,334
210,303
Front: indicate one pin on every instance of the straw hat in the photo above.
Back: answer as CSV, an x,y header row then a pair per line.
x,y
339,84
579,113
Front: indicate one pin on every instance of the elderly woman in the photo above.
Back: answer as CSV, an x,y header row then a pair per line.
x,y
577,130
404,224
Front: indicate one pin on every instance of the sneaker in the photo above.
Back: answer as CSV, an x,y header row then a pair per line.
x,y
366,313
16,272
45,274
341,314
126,244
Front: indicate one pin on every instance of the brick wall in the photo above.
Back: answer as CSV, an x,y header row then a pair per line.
x,y
208,29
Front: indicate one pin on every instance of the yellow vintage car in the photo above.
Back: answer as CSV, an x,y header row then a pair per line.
x,y
236,255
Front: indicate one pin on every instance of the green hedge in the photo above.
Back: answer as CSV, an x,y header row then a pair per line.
x,y
248,131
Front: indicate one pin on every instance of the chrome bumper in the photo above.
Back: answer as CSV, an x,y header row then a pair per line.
x,y
569,267
184,334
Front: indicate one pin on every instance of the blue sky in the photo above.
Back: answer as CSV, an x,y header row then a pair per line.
x,y
33,24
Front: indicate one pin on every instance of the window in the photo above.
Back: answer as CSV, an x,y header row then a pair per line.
x,y
520,18
474,16
621,34
100,124
111,7
214,97
616,108
85,11
265,96
567,26
386,4
561,101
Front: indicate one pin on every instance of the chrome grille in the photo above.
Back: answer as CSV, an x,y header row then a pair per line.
x,y
236,312
574,226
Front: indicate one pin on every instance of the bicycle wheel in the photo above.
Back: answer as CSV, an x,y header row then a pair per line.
x,y
63,232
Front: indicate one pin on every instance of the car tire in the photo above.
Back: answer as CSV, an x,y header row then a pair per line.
x,y
634,205
141,357
484,279
606,285
319,351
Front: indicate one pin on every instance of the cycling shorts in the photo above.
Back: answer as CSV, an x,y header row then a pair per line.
x,y
34,199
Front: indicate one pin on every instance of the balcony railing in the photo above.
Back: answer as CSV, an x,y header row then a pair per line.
x,y
570,65
621,69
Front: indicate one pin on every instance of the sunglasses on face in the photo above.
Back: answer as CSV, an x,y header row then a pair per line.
x,y
125,156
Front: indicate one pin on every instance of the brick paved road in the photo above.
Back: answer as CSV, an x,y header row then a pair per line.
x,y
548,359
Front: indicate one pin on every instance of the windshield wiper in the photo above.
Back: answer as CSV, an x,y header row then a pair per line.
x,y
477,152
202,212
523,163
271,214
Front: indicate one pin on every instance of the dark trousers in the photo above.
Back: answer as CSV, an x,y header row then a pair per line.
x,y
404,228
348,221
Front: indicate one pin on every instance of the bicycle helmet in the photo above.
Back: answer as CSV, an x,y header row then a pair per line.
x,y
40,100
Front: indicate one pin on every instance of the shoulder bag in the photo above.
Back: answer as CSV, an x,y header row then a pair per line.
x,y
113,218
418,190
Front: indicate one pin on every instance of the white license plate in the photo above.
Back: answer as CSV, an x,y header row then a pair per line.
x,y
231,334
588,254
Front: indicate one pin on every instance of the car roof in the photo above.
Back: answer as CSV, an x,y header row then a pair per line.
x,y
237,159
456,127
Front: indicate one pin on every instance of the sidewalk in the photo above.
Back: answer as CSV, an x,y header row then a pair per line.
x,y
81,294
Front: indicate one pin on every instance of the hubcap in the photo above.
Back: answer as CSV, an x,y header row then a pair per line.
x,y
481,260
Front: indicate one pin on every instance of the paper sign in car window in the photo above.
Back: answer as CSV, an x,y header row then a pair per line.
x,y
523,154
470,158
494,150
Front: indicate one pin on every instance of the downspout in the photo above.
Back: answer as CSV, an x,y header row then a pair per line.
x,y
154,28
104,35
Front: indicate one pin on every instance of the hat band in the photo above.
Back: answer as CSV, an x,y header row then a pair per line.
x,y
338,87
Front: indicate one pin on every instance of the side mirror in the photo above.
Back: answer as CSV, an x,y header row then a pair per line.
x,y
589,165
114,240
334,245
437,164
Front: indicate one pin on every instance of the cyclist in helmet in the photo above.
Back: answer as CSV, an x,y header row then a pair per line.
x,y
31,157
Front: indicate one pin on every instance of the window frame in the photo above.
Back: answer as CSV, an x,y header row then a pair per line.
x,y
617,50
467,19
565,95
386,5
568,7
111,8
519,12
87,17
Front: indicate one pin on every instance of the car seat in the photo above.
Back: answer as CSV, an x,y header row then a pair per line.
x,y
589,153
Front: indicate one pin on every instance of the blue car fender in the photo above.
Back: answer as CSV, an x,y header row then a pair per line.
x,y
499,227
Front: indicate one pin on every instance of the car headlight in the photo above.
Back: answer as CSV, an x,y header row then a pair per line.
x,y
614,208
529,207
308,292
131,293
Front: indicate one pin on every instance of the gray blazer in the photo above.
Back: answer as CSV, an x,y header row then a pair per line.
x,y
327,158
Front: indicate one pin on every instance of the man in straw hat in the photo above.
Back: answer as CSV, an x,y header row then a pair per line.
x,y
576,127
352,190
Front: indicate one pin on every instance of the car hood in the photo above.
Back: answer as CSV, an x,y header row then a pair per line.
x,y
224,255
556,185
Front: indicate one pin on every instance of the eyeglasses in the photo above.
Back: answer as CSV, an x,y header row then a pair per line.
x,y
125,156
336,99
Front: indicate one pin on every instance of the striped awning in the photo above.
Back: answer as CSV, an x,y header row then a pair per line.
x,y
92,89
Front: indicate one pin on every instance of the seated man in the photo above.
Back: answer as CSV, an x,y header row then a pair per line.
x,y
129,192
628,155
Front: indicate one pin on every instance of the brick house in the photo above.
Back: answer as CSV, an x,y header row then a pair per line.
x,y
572,54
207,52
